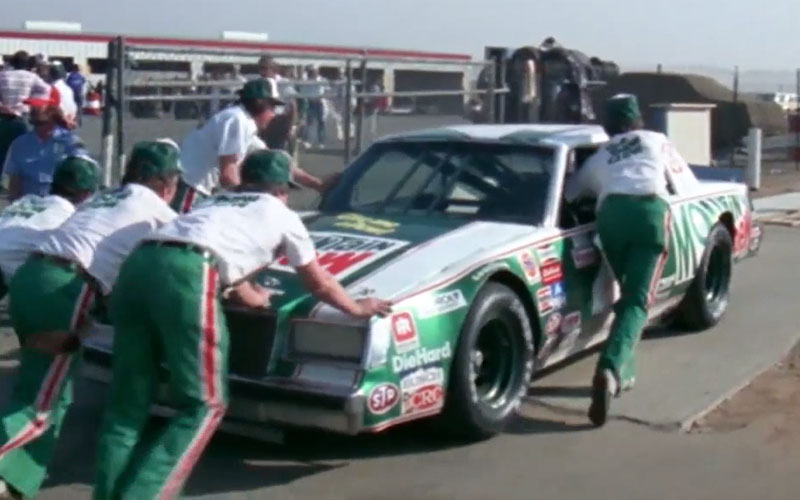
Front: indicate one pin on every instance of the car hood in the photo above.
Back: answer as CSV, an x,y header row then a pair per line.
x,y
388,256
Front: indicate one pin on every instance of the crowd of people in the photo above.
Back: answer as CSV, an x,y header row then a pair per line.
x,y
155,257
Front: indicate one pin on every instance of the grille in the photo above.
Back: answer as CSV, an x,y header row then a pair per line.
x,y
252,335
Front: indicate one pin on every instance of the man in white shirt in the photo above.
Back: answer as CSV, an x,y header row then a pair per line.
x,y
210,155
313,90
67,102
51,293
24,223
209,252
628,176
32,412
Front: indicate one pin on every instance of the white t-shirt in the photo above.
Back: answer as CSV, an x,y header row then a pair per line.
x,y
228,132
106,228
67,99
246,231
23,226
635,163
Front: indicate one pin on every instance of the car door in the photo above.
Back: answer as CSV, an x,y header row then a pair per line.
x,y
585,285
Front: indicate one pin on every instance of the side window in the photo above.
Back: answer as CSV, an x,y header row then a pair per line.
x,y
582,211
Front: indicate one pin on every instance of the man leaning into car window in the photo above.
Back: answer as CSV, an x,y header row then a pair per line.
x,y
207,254
628,177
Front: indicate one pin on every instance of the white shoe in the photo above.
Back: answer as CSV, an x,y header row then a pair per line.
x,y
6,493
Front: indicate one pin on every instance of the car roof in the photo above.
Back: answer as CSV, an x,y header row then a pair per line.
x,y
536,134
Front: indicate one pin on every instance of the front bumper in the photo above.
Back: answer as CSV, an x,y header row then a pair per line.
x,y
271,401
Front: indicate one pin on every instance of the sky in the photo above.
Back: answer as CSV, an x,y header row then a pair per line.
x,y
635,33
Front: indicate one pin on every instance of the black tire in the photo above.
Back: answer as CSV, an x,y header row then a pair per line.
x,y
496,322
707,297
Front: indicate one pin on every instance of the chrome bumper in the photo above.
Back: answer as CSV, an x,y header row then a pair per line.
x,y
269,402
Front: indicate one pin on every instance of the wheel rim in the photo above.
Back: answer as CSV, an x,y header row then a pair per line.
x,y
494,363
717,276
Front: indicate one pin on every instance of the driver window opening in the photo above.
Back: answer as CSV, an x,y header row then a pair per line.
x,y
581,212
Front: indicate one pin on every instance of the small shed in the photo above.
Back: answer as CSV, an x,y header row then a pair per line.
x,y
689,128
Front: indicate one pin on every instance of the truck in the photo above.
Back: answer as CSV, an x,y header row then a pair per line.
x,y
546,84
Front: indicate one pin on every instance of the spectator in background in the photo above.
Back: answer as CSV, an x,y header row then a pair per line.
x,y
314,92
77,82
18,84
33,156
67,102
340,104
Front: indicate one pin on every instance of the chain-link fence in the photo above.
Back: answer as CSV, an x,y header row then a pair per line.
x,y
339,105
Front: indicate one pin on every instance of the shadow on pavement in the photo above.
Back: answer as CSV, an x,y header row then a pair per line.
x,y
529,425
561,391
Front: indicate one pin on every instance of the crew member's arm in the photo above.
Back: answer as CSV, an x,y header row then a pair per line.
x,y
234,141
229,170
582,183
302,255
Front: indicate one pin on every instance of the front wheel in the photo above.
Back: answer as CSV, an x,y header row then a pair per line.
x,y
707,298
492,365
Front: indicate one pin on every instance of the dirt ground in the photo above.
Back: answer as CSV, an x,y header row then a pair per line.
x,y
772,399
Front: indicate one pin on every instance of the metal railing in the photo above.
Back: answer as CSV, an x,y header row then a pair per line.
x,y
122,87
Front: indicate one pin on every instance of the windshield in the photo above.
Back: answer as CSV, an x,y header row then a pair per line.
x,y
458,179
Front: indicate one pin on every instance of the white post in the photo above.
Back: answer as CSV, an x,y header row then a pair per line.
x,y
753,172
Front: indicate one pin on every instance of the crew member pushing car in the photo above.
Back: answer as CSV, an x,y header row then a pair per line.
x,y
628,176
44,297
209,252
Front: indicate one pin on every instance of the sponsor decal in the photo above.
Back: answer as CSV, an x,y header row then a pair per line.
x,y
442,303
421,377
543,300
404,332
421,357
423,399
744,228
547,253
529,267
369,225
552,272
382,398
571,323
558,295
342,254
552,324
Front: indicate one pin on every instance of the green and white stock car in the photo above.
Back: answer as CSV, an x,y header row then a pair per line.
x,y
492,274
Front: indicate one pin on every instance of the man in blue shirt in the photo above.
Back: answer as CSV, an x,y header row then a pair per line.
x,y
33,156
77,83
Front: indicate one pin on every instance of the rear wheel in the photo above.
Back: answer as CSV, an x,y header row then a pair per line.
x,y
492,365
707,298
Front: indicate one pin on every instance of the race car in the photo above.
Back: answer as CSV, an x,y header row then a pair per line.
x,y
493,277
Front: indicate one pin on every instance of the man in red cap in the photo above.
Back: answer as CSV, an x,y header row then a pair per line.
x,y
33,156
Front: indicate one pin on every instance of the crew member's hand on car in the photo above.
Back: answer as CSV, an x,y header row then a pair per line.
x,y
372,306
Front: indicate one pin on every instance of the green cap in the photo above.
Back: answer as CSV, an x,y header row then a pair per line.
x,y
622,110
267,166
261,88
77,173
154,158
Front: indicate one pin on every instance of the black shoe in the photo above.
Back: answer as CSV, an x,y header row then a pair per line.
x,y
601,399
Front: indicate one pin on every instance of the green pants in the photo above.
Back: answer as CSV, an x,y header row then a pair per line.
x,y
185,198
180,325
634,233
44,297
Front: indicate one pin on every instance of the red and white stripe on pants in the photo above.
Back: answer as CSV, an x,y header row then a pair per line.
x,y
651,298
53,380
211,386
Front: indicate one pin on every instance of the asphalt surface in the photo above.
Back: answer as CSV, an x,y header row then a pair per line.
x,y
550,452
